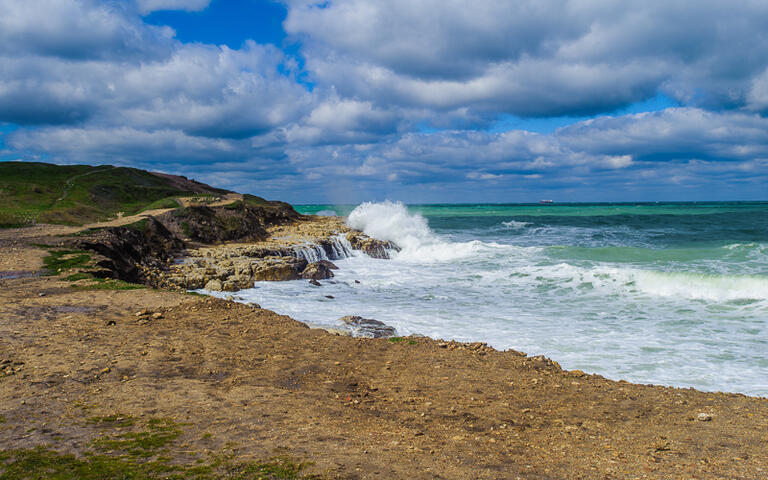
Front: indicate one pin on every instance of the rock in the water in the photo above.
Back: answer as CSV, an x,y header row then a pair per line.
x,y
315,283
368,327
213,285
318,270
330,265
370,246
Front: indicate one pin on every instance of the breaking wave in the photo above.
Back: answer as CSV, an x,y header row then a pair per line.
x,y
393,222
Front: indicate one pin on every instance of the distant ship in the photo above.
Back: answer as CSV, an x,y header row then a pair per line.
x,y
546,201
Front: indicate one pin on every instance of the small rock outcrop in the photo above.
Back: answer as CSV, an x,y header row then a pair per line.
x,y
368,327
370,246
279,269
320,270
236,222
127,253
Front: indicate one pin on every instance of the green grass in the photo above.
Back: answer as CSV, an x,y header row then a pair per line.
x,y
2,419
107,284
144,454
77,194
112,421
159,435
402,339
44,463
59,261
78,276
169,202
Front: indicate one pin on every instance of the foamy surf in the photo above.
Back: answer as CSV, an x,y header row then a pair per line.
x,y
393,222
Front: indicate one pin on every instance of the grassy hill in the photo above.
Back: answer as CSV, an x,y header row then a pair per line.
x,y
77,194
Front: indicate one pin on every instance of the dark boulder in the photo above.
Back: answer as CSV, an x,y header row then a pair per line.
x,y
128,252
368,327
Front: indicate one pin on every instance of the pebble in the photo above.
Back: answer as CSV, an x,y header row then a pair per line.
x,y
704,417
157,315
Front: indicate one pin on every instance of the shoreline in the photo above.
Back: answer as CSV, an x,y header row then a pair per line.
x,y
410,407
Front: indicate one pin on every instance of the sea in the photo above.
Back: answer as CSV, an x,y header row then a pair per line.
x,y
656,293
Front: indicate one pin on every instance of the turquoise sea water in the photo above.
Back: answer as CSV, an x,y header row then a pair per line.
x,y
668,293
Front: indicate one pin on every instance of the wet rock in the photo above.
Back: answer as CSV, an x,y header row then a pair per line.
x,y
368,327
328,264
315,283
214,285
370,246
320,270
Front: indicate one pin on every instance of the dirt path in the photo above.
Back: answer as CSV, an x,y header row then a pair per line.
x,y
68,182
262,384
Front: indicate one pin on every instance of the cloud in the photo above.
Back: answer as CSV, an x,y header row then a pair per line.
x,y
610,158
149,6
534,58
639,152
79,30
117,71
394,99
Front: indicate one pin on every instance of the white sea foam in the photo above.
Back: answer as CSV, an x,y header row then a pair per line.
x,y
393,222
697,286
632,282
515,225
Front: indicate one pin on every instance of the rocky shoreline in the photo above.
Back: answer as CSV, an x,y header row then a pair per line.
x,y
300,250
88,362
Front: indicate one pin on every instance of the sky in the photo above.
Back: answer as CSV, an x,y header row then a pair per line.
x,y
423,101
